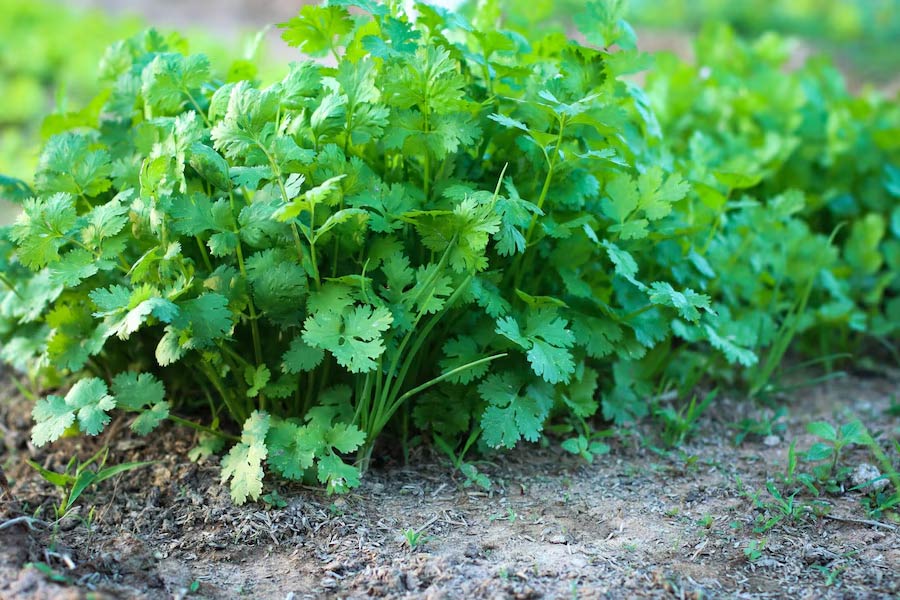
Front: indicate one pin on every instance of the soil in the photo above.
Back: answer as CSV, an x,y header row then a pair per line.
x,y
635,523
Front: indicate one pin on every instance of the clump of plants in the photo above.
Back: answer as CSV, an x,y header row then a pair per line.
x,y
442,227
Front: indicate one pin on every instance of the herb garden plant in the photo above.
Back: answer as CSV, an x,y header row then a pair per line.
x,y
430,225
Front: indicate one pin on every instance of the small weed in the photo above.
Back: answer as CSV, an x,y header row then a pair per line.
x,y
779,508
457,458
274,500
79,476
415,538
793,478
49,572
510,516
587,442
831,474
679,425
773,424
753,551
832,574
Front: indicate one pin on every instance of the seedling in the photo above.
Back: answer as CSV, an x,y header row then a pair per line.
x,y
473,476
274,500
415,538
829,450
753,551
773,424
792,478
679,425
588,443
78,476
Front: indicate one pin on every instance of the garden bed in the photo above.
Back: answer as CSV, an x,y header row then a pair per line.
x,y
636,522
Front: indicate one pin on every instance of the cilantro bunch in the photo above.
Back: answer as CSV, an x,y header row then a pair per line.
x,y
799,180
432,226
437,228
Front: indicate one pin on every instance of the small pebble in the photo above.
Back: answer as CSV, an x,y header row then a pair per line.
x,y
865,473
771,440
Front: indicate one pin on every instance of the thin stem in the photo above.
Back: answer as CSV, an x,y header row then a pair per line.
x,y
203,428
519,269
428,384
203,253
392,369
5,281
237,413
197,107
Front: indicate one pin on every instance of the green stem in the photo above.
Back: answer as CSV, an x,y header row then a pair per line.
x,y
426,164
197,107
238,414
203,428
519,269
387,404
379,425
5,281
392,369
203,253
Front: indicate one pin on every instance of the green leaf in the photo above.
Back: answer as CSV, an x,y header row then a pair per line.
x,y
243,463
136,391
734,353
823,430
87,401
352,336
516,410
52,417
104,222
547,341
337,476
292,448
345,438
459,352
41,229
819,451
855,432
151,418
171,80
257,378
315,29
205,319
686,303
69,165
301,357
210,165
603,24
74,267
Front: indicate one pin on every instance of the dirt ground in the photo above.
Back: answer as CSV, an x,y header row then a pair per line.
x,y
636,523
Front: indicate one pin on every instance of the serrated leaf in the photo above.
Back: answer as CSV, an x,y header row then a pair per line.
x,y
515,410
151,418
243,463
87,402
301,357
352,336
292,448
337,476
314,30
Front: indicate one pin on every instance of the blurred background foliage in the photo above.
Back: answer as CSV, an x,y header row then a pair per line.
x,y
49,49
49,52
862,35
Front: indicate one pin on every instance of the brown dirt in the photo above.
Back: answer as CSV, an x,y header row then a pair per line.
x,y
635,523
